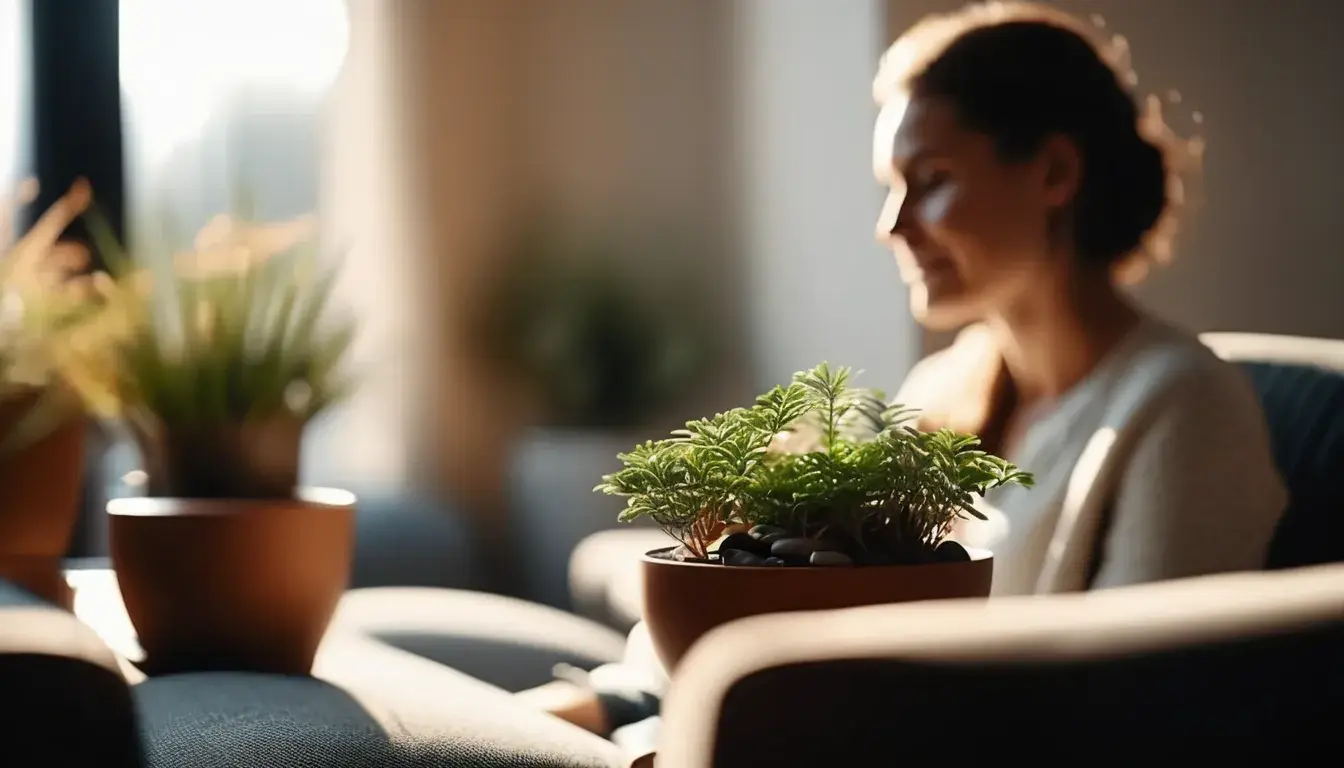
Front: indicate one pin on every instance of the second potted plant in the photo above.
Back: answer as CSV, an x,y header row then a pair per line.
x,y
42,426
818,496
215,364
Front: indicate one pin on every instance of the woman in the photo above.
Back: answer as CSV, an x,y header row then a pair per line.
x,y
1023,184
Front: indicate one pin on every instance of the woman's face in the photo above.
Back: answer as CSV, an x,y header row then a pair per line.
x,y
970,232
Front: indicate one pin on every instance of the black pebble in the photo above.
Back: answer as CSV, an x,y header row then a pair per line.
x,y
825,557
774,561
738,557
952,552
745,543
800,547
767,534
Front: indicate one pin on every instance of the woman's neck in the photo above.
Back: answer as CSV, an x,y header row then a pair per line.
x,y
1052,340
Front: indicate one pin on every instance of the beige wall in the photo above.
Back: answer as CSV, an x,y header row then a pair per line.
x,y
620,108
615,108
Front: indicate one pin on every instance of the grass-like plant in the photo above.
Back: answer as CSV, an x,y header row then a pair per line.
x,y
817,459
215,359
41,298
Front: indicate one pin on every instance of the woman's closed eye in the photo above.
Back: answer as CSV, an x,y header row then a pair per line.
x,y
924,181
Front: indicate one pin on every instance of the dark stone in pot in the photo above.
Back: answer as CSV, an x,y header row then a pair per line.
x,y
952,552
739,557
826,557
800,549
768,534
745,543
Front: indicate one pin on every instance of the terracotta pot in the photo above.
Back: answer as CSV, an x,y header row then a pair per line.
x,y
232,584
40,486
684,600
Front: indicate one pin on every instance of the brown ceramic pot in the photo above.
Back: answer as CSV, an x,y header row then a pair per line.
x,y
232,584
684,600
40,487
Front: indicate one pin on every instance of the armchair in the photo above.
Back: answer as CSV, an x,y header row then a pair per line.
x,y
67,702
1233,669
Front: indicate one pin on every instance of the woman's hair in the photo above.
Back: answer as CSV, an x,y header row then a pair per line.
x,y
1020,73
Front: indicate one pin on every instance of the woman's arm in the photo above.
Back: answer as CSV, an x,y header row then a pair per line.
x,y
1200,494
610,696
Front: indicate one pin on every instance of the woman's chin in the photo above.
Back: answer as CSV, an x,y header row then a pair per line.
x,y
941,310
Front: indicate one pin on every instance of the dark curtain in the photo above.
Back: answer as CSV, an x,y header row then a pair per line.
x,y
75,123
75,129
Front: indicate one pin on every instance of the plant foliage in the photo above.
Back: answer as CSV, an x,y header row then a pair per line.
x,y
818,458
598,347
215,358
241,333
42,296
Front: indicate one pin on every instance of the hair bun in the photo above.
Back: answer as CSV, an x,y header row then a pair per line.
x,y
1146,185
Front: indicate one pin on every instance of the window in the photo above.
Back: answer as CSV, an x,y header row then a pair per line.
x,y
222,99
13,68
219,98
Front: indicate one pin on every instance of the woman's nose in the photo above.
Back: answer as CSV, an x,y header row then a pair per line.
x,y
894,218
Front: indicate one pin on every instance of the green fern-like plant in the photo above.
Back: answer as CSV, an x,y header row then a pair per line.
x,y
819,458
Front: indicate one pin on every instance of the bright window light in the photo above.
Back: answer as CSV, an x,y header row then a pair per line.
x,y
12,51
180,59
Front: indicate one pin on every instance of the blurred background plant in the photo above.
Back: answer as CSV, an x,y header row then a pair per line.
x,y
603,332
216,358
43,296
599,338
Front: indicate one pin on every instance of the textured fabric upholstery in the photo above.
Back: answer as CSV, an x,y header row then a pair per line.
x,y
1301,386
509,643
373,707
65,701
1238,669
367,704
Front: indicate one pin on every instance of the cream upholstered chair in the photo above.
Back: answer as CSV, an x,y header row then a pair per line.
x,y
1239,669
1274,348
1300,382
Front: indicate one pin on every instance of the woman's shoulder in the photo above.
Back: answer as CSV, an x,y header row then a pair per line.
x,y
1167,362
1158,364
942,384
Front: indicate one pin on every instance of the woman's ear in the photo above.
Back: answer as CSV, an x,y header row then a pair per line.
x,y
1062,163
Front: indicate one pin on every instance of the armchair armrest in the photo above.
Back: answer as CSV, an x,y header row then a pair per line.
x,y
66,701
1243,667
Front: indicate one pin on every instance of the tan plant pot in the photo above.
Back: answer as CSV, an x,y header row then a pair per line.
x,y
40,487
684,600
232,584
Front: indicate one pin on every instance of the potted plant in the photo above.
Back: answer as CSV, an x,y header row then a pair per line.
x,y
42,429
215,361
597,348
818,496
599,352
